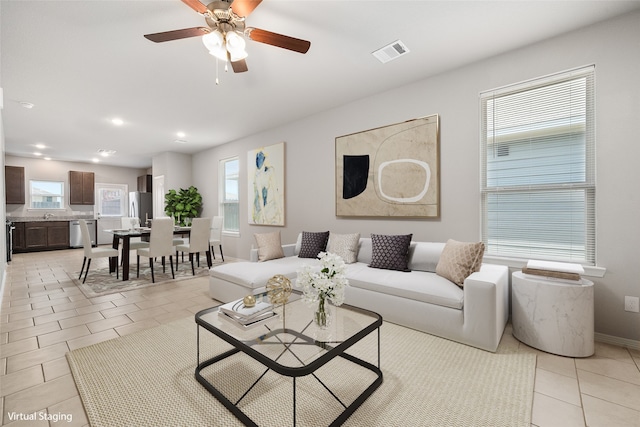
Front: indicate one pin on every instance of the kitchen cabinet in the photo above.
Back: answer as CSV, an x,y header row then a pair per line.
x,y
14,185
40,236
81,188
145,183
18,237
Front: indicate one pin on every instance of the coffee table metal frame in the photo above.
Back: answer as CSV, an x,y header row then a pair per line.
x,y
331,351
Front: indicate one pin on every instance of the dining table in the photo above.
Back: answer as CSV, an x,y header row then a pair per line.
x,y
124,236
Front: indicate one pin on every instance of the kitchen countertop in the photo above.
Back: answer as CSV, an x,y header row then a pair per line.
x,y
53,218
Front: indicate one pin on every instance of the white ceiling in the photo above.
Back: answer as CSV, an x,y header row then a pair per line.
x,y
82,63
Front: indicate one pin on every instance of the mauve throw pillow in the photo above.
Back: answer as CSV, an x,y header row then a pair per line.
x,y
390,252
459,260
312,244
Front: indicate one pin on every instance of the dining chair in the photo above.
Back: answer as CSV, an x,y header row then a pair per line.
x,y
160,245
215,237
198,242
129,223
91,252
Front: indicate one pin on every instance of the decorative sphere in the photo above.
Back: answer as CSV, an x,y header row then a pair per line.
x,y
278,289
249,301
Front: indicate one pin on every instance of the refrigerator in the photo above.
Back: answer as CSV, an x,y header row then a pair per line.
x,y
141,206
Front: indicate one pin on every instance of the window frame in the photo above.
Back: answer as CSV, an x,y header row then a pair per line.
x,y
222,201
511,191
60,196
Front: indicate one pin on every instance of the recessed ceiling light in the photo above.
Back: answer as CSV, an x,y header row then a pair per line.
x,y
105,153
41,146
181,134
95,160
118,122
26,104
180,141
37,153
47,158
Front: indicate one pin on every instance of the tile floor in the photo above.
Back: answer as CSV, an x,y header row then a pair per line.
x,y
44,315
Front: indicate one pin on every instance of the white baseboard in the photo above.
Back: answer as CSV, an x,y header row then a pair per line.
x,y
622,342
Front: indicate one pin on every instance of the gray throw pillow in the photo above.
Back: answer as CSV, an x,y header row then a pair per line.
x,y
390,252
313,243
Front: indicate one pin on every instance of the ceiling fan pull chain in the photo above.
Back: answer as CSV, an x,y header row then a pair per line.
x,y
217,77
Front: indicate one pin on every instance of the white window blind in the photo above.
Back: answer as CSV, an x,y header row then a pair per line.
x,y
229,194
538,168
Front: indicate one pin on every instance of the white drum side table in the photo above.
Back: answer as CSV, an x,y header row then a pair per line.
x,y
552,315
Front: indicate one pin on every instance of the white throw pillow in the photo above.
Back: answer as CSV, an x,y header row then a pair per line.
x,y
344,245
269,246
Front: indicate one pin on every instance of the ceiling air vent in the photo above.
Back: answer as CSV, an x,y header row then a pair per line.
x,y
391,51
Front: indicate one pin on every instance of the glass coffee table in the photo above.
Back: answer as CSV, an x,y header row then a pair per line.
x,y
291,345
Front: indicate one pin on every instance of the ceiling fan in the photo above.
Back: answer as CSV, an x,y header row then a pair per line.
x,y
225,31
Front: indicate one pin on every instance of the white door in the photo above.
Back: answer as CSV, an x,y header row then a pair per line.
x,y
158,196
107,224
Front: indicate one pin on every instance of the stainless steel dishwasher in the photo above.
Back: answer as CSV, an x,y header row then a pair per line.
x,y
75,235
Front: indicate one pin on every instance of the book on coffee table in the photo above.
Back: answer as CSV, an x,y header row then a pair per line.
x,y
247,324
237,310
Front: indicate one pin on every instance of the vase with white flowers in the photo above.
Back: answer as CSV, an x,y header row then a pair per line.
x,y
328,283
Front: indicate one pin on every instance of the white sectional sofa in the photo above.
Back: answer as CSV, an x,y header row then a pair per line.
x,y
475,314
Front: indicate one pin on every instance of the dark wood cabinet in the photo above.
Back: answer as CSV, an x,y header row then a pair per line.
x,y
14,185
40,235
18,237
145,183
58,235
35,235
81,188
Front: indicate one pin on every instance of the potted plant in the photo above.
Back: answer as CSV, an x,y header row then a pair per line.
x,y
182,205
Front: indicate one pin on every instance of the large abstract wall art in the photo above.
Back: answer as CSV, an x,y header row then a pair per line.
x,y
265,167
390,171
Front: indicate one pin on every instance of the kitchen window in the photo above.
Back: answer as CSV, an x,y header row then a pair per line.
x,y
229,194
538,169
46,194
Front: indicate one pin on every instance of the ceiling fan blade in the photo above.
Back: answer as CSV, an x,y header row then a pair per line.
x,y
239,66
196,5
243,8
177,34
279,40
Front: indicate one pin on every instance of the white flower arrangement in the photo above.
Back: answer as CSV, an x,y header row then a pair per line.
x,y
328,283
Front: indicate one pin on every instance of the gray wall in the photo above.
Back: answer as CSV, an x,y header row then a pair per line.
x,y
613,46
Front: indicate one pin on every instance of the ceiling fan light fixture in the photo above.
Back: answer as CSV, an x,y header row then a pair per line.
x,y
235,42
214,42
213,39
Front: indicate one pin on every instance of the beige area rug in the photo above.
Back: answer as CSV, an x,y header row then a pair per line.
x,y
101,282
147,379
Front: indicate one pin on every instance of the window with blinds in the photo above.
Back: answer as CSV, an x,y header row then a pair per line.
x,y
538,168
229,195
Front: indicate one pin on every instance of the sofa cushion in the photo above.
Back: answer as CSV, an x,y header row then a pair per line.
x,y
415,285
424,256
344,245
254,275
365,247
459,260
312,244
390,252
269,246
